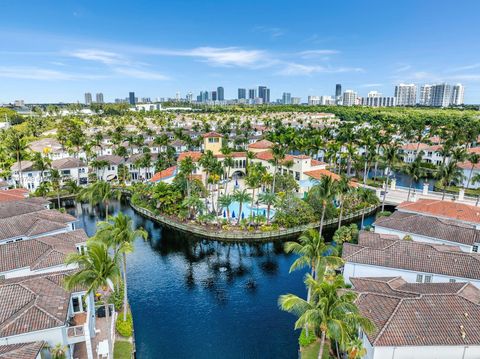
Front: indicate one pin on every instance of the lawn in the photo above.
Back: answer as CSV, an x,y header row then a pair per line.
x,y
311,351
123,350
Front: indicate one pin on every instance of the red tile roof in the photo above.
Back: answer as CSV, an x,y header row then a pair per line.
x,y
233,154
166,173
194,155
13,194
262,144
445,209
317,163
212,134
318,174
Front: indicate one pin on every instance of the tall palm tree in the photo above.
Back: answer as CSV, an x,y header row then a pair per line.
x,y
415,171
325,189
367,197
16,144
97,270
228,163
447,174
390,157
343,189
187,167
279,152
268,199
99,192
241,197
56,179
474,159
224,201
331,312
118,233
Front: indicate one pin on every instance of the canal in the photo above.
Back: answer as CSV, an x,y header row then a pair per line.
x,y
203,299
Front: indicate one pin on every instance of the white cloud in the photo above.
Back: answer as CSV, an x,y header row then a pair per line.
x,y
272,31
105,57
467,67
314,53
294,69
140,74
35,73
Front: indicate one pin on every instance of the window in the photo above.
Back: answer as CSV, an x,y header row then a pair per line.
x,y
76,304
475,248
428,279
452,280
419,278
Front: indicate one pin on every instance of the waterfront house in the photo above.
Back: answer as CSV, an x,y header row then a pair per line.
x,y
419,320
378,255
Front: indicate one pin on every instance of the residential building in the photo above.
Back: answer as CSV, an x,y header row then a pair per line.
x,y
287,98
32,350
296,100
189,97
458,92
349,98
406,95
378,255
313,100
441,95
99,98
213,96
252,94
88,98
418,320
220,93
131,98
19,103
107,169
376,99
264,94
242,94
212,141
425,95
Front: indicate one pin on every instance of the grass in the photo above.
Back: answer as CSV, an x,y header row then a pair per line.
x,y
122,350
311,351
455,189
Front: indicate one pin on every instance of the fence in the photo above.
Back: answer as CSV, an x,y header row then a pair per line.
x,y
220,234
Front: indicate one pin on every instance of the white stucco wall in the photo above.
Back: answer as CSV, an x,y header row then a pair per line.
x,y
426,352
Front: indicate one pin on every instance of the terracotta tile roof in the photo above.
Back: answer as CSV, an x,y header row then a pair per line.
x,y
68,162
13,194
429,314
233,155
318,174
33,303
376,250
315,163
434,227
166,173
26,166
445,209
194,155
51,144
111,159
212,134
414,146
467,165
38,253
33,224
21,351
22,206
262,144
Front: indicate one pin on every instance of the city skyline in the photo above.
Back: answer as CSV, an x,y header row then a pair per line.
x,y
59,53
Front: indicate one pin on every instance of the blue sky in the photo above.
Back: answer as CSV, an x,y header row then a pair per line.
x,y
57,50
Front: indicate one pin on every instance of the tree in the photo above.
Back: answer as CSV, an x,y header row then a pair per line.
x,y
16,144
474,159
187,166
268,199
225,200
241,197
447,174
99,192
97,270
278,152
330,313
118,233
367,197
56,180
415,171
325,189
390,157
342,189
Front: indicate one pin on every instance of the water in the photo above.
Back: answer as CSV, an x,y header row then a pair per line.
x,y
403,180
246,209
205,299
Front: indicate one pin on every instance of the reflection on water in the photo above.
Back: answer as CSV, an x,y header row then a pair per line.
x,y
194,298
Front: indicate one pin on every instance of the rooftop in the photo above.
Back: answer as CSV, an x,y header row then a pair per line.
x,y
21,351
444,209
22,206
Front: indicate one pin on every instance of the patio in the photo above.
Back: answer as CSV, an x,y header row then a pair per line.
x,y
80,350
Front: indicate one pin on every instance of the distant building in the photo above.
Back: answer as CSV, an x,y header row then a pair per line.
x,y
242,94
296,100
189,97
88,98
220,94
19,103
338,93
425,95
214,96
264,93
99,97
457,94
287,98
406,95
313,100
349,98
131,98
376,99
252,94
441,95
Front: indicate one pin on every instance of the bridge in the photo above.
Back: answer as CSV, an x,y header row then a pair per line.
x,y
397,195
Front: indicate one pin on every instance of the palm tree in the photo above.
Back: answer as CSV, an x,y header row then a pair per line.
x,y
225,200
118,233
447,174
99,192
415,171
474,159
343,188
390,156
187,166
279,153
16,144
331,312
241,197
268,199
228,163
367,197
325,190
56,179
97,269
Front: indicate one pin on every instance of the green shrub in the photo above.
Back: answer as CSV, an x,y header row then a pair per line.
x,y
383,214
124,328
303,340
122,350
